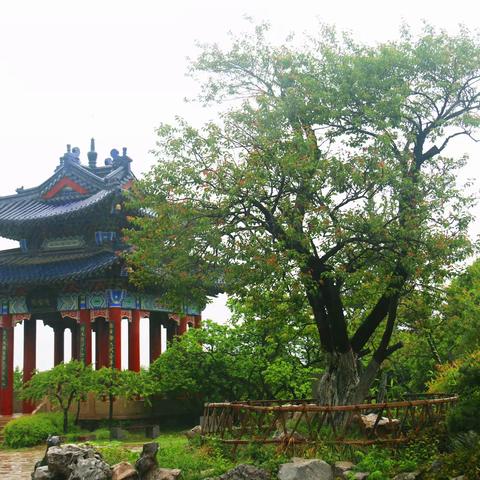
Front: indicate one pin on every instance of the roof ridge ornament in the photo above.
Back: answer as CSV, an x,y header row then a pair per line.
x,y
92,155
72,155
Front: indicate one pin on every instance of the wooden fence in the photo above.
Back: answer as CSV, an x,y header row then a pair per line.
x,y
290,422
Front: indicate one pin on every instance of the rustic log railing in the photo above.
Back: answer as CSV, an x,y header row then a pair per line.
x,y
290,422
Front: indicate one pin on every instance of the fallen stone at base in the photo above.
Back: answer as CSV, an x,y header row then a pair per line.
x,y
306,470
124,471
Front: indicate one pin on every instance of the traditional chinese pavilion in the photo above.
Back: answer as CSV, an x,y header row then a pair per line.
x,y
69,271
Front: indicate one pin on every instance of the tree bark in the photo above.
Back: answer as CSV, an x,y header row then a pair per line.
x,y
338,384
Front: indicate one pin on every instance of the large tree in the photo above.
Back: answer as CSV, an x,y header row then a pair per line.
x,y
324,171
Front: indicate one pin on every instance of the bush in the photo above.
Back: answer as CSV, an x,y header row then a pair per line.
x,y
32,430
102,434
465,416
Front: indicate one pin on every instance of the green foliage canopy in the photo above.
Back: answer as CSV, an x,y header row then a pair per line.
x,y
324,173
62,385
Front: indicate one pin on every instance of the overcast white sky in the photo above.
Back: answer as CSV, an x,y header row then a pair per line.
x,y
115,69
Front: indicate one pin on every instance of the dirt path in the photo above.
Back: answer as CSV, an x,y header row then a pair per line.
x,y
18,465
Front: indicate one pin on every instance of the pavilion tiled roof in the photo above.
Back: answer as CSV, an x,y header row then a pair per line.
x,y
23,268
74,190
34,210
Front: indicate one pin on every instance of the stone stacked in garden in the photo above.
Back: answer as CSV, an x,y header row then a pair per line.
x,y
83,462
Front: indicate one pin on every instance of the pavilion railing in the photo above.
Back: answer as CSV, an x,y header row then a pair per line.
x,y
291,422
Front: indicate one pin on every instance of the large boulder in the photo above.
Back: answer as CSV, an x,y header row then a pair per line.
x,y
245,472
72,462
91,468
124,471
306,470
60,460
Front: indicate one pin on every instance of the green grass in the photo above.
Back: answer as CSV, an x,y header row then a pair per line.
x,y
196,461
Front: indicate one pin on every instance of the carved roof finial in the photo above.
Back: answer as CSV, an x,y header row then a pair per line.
x,y
92,155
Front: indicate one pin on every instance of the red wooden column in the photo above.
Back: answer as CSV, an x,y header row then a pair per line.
x,y
85,328
102,343
115,337
58,344
75,342
6,365
197,321
183,325
29,357
134,342
155,337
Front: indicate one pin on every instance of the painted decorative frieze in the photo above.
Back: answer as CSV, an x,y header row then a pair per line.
x,y
115,297
96,300
18,305
67,302
130,301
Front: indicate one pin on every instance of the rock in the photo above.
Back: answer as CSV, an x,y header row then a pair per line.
x,y
124,471
60,459
245,472
53,441
162,474
150,449
406,476
306,470
293,437
117,433
437,465
194,432
341,468
152,431
383,423
42,473
91,469
361,475
148,459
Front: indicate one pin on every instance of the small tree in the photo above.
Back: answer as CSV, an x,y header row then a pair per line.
x,y
110,383
62,385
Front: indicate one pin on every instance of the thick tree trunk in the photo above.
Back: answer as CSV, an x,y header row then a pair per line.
x,y
340,381
343,383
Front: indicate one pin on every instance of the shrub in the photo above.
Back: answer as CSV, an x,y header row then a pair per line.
x,y
32,430
465,416
102,434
